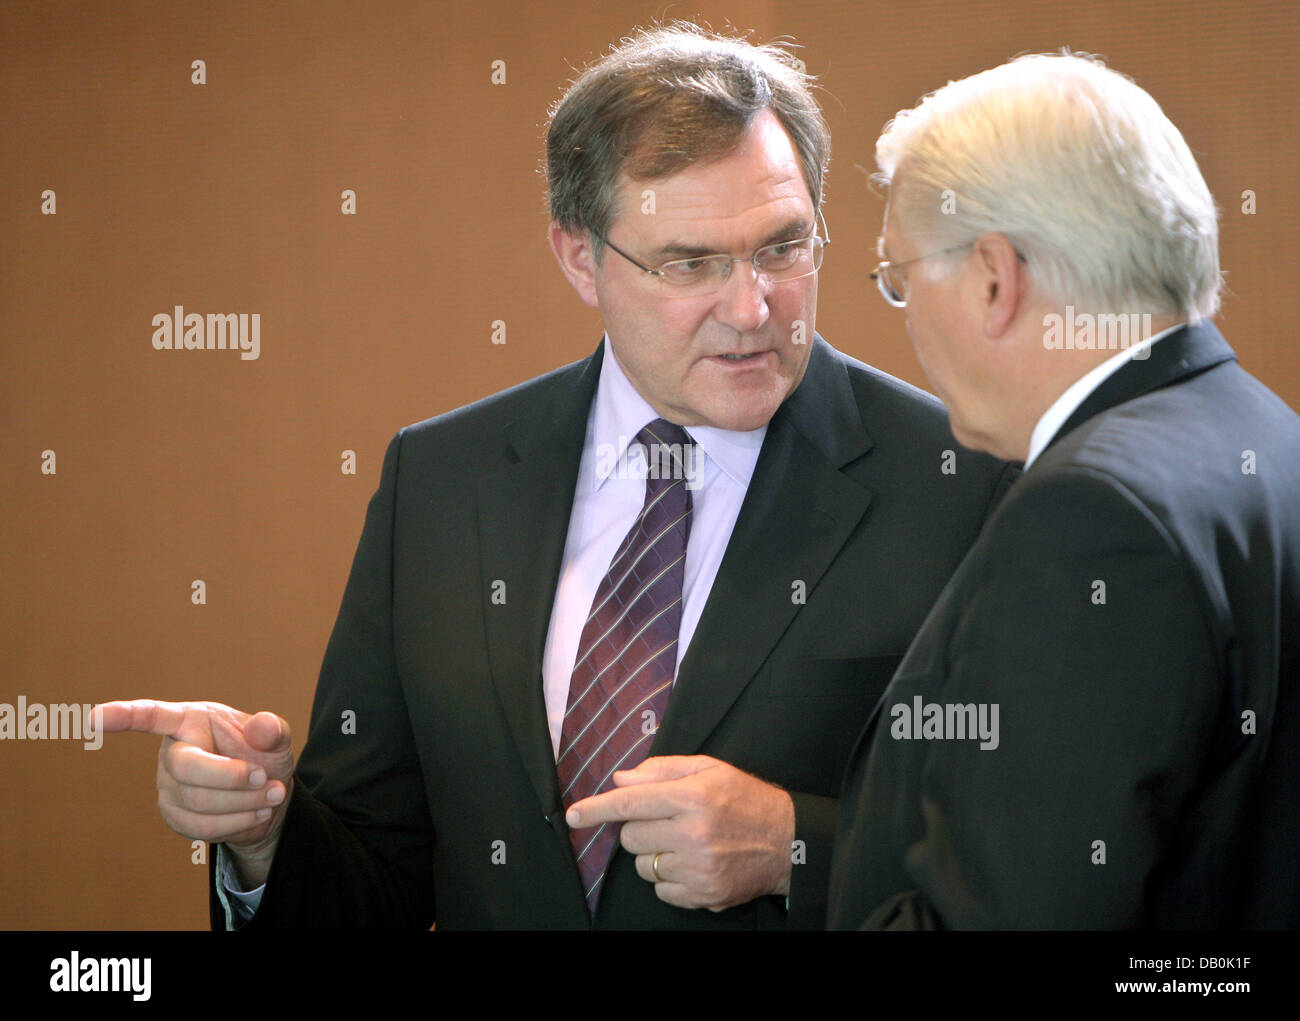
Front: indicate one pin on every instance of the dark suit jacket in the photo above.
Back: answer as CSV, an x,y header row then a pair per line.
x,y
444,802
1158,728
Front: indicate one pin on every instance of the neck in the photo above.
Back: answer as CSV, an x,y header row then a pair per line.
x,y
1046,372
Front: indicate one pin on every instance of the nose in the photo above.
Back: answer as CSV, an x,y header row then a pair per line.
x,y
742,301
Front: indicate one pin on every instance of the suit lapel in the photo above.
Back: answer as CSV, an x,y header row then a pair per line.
x,y
1183,353
523,514
797,514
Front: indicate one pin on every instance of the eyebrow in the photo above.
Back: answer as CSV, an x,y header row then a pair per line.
x,y
788,231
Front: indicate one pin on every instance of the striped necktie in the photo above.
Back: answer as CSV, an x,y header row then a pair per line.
x,y
627,655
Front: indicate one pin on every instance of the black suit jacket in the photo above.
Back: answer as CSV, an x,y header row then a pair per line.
x,y
1132,608
444,805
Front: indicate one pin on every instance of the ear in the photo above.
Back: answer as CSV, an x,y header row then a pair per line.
x,y
573,252
1003,283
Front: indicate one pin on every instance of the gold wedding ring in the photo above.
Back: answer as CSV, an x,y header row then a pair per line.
x,y
654,867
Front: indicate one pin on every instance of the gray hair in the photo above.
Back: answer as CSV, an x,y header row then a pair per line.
x,y
662,100
1078,167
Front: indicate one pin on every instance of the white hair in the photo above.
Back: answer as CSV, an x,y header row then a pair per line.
x,y
1078,167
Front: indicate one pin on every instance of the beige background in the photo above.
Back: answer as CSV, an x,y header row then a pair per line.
x,y
225,197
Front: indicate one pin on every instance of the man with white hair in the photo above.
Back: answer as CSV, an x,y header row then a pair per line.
x,y
1097,726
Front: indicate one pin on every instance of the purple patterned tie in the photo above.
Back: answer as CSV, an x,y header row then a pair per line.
x,y
627,655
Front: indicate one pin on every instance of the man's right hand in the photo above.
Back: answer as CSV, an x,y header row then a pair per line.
x,y
223,776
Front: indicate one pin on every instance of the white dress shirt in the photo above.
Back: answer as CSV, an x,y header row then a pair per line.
x,y
1081,389
606,501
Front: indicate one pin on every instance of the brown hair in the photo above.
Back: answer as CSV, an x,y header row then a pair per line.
x,y
666,98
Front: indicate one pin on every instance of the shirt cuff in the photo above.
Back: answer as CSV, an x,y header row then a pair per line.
x,y
239,905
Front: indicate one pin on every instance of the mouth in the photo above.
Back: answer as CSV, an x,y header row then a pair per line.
x,y
752,358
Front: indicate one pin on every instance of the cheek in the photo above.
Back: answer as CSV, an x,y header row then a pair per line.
x,y
913,333
918,332
793,316
678,323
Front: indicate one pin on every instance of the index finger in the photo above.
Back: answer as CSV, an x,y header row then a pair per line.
x,y
643,801
145,716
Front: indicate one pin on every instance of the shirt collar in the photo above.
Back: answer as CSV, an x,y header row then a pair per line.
x,y
620,412
1079,391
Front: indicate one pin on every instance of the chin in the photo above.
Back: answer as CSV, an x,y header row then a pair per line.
x,y
745,425
746,418
731,421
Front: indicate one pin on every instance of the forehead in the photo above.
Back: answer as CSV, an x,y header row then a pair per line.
x,y
759,182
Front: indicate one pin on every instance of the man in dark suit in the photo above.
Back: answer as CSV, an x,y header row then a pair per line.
x,y
504,654
1097,726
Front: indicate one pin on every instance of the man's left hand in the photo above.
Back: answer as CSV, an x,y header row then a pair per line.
x,y
722,837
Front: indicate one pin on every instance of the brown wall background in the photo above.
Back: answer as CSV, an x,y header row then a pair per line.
x,y
225,197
